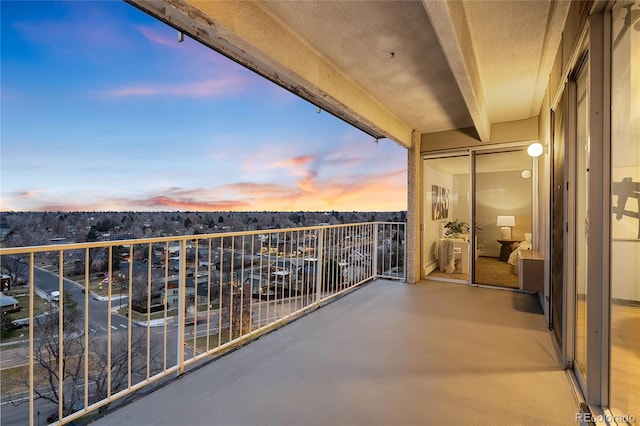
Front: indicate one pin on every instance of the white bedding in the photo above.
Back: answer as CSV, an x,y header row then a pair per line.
x,y
513,257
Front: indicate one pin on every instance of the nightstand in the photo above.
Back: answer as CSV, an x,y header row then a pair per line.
x,y
506,249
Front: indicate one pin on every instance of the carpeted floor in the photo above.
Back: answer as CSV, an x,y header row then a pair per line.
x,y
489,271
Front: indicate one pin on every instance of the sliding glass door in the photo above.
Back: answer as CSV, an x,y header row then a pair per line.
x,y
581,224
625,209
445,235
498,194
503,214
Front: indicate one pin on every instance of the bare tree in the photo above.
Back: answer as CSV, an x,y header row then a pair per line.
x,y
48,383
119,371
69,388
16,267
235,302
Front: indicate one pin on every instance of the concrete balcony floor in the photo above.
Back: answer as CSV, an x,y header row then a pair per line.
x,y
387,354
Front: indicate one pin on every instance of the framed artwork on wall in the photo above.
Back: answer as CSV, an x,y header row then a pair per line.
x,y
439,202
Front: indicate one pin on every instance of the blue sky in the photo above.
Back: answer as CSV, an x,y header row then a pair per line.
x,y
103,109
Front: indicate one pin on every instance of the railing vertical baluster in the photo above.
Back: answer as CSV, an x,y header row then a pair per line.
x,y
320,248
166,305
291,270
182,296
374,251
195,305
260,286
397,251
86,327
404,243
233,255
300,284
276,282
220,292
242,288
61,334
129,315
253,242
31,332
149,291
209,273
110,272
337,236
268,319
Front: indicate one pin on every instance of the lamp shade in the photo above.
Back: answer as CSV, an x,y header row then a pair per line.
x,y
506,221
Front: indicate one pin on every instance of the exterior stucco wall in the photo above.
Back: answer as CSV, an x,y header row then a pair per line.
x,y
513,131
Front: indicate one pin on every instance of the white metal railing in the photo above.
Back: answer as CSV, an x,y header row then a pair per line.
x,y
133,312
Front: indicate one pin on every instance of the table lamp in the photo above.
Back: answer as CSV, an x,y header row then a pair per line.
x,y
506,222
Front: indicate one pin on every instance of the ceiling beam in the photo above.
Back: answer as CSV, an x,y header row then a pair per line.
x,y
450,25
245,33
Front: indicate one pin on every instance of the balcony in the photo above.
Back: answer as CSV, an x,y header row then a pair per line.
x,y
389,353
130,316
386,353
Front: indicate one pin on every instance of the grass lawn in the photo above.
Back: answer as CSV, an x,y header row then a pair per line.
x,y
11,378
40,306
158,315
96,286
143,317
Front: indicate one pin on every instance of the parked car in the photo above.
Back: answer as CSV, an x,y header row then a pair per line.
x,y
54,296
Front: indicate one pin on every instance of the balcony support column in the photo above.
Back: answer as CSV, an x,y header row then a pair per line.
x,y
414,190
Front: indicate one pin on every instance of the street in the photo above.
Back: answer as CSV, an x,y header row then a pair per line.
x,y
98,315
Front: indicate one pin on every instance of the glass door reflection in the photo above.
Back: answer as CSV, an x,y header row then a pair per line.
x,y
445,237
502,209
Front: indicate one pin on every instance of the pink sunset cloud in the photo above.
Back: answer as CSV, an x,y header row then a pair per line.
x,y
300,160
157,36
224,205
226,86
381,192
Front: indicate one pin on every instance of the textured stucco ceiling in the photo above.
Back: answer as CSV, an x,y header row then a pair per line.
x,y
509,40
360,38
391,68
512,43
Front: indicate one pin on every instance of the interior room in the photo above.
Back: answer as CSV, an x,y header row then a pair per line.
x,y
502,206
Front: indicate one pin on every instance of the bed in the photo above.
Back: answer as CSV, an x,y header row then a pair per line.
x,y
523,245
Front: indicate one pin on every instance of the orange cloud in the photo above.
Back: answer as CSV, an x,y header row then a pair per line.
x,y
300,160
196,205
307,183
382,192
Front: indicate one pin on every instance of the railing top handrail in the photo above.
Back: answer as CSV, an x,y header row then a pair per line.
x,y
177,238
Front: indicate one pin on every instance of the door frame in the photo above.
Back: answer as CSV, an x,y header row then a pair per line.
x,y
471,152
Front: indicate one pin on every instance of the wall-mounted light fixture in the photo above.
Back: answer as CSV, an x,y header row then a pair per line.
x,y
526,174
535,149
